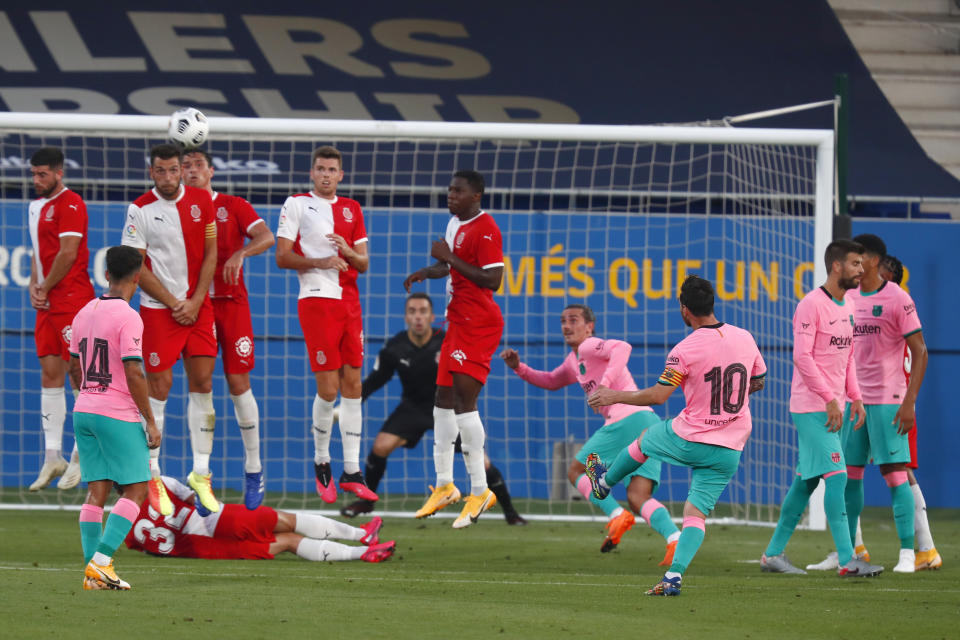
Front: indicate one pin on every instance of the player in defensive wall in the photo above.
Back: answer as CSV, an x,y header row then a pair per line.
x,y
237,221
471,254
592,363
237,533
59,287
323,238
718,366
824,376
173,227
884,320
106,358
413,355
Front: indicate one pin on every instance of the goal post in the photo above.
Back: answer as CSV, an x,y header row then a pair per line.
x,y
607,215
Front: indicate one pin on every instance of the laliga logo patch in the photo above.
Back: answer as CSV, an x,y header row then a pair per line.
x,y
131,231
66,333
459,356
244,346
347,214
222,214
154,359
321,357
195,212
460,237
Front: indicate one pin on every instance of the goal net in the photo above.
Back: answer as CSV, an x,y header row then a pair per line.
x,y
610,216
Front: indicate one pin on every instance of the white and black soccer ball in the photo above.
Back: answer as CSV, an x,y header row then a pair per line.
x,y
188,128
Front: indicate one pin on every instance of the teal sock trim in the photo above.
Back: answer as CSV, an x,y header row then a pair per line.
x,y
90,533
834,504
114,532
661,523
622,466
687,546
853,497
794,504
902,498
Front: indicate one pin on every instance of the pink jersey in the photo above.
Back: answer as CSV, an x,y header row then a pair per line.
x,y
235,218
596,363
714,366
478,242
105,333
64,214
883,321
824,367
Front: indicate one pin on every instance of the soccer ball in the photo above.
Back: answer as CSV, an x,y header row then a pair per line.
x,y
188,128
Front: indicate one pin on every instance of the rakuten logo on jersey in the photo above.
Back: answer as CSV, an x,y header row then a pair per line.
x,y
841,342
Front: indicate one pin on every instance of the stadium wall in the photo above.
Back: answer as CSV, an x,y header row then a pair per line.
x,y
542,275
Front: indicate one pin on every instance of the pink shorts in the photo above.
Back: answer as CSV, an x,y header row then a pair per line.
x,y
164,339
333,332
234,334
467,350
52,333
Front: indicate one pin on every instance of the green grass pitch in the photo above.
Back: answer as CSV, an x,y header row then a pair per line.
x,y
546,580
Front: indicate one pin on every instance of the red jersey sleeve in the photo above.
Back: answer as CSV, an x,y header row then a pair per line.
x,y
71,215
246,215
490,246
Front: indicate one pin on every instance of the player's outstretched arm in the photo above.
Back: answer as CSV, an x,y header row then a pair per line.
x,y
434,271
604,397
560,377
383,369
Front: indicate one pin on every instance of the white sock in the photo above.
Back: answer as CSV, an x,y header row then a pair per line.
x,y
444,439
53,411
248,417
351,429
322,426
921,526
616,512
858,539
101,559
157,407
327,551
322,528
201,420
472,439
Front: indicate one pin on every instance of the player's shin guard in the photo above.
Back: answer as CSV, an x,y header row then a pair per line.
x,y
321,528
53,412
157,407
327,551
444,440
794,504
834,505
91,529
626,462
608,504
853,498
657,516
322,426
119,523
691,537
248,417
921,526
902,498
472,439
201,420
351,430
374,469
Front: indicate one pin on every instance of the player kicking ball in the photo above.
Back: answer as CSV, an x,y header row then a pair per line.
x,y
237,533
718,365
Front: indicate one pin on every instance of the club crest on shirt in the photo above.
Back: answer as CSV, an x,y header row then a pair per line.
x,y
583,369
154,359
835,457
459,356
195,212
66,333
244,346
321,358
459,240
852,323
877,310
222,214
347,214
